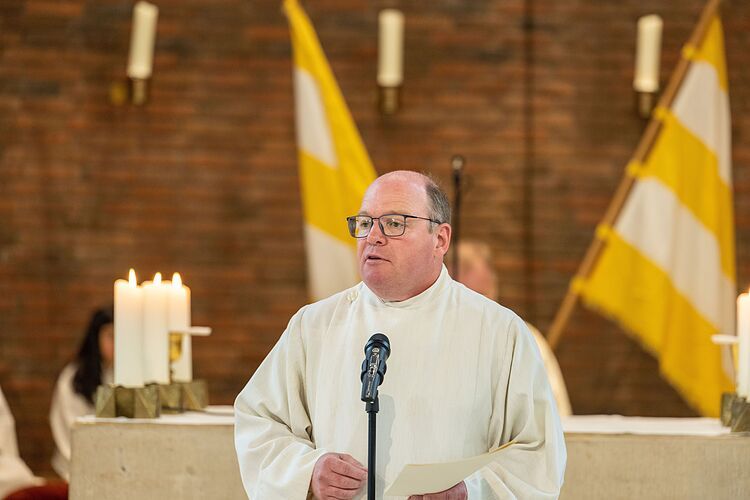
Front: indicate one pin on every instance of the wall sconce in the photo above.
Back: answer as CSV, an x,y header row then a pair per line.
x,y
390,59
648,51
140,58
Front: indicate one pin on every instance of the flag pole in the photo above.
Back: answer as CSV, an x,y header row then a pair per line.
x,y
562,317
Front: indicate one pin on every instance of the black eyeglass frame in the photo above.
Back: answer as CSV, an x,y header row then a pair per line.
x,y
352,224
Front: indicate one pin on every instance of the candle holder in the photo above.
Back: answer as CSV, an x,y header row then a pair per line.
x,y
129,90
645,103
139,91
727,401
740,415
389,99
182,396
132,402
194,395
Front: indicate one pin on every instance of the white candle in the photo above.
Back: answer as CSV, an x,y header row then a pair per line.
x,y
142,38
648,52
179,320
390,48
128,332
155,332
743,332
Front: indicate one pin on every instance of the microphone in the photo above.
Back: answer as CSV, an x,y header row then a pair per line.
x,y
377,350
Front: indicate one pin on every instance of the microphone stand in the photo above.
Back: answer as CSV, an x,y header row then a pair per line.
x,y
377,350
372,412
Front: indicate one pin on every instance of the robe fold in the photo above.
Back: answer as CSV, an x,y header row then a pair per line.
x,y
464,376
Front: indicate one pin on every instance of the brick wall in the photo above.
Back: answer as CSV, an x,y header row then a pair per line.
x,y
535,94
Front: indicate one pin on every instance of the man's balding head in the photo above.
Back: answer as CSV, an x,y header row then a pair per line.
x,y
399,267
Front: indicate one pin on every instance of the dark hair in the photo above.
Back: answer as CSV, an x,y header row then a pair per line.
x,y
440,207
88,374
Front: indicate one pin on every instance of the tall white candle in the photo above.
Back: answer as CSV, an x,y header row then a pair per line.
x,y
743,332
128,332
179,319
390,48
142,38
648,53
155,331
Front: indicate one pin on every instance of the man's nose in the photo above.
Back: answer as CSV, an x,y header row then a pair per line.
x,y
376,236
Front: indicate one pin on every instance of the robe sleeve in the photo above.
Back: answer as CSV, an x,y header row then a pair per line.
x,y
273,429
524,412
14,474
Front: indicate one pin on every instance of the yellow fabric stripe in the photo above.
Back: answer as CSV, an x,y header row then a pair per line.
x,y
354,162
631,290
684,164
712,51
326,198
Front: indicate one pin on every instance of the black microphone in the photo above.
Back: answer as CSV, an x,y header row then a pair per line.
x,y
377,350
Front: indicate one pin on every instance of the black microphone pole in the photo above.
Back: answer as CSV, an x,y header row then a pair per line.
x,y
372,413
377,350
457,165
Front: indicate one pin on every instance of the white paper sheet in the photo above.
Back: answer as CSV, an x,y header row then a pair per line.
x,y
418,479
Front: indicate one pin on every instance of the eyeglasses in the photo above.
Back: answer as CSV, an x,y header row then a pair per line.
x,y
390,224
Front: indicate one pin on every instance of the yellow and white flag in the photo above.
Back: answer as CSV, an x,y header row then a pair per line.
x,y
667,273
334,166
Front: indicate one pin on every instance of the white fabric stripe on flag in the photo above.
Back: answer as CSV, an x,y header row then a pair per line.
x,y
655,222
313,133
331,265
702,107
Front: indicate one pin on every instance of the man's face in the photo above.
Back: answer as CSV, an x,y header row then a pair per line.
x,y
400,267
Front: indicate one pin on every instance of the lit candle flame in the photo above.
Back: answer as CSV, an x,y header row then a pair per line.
x,y
157,279
131,278
176,280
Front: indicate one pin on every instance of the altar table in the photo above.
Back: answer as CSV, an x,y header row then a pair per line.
x,y
191,456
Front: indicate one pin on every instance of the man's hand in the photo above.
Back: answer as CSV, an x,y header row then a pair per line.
x,y
337,475
458,492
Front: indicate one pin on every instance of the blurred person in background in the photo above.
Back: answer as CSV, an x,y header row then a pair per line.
x,y
76,385
477,272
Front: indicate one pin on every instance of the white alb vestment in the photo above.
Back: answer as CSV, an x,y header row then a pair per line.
x,y
67,406
464,376
14,474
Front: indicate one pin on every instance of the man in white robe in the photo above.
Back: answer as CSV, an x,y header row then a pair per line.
x,y
464,375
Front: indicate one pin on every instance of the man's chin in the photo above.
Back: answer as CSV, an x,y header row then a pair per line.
x,y
375,279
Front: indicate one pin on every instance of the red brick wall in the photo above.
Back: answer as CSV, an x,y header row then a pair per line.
x,y
536,94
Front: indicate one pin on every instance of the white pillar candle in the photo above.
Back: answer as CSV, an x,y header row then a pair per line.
x,y
179,320
648,53
743,332
128,332
155,331
390,48
142,38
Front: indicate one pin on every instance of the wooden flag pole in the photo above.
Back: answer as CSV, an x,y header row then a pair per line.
x,y
562,317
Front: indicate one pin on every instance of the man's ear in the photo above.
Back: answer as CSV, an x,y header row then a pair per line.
x,y
443,238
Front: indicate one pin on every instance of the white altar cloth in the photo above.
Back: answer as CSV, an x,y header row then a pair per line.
x,y
191,456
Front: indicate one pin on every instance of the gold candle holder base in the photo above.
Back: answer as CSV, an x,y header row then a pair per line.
x,y
740,415
727,401
170,396
194,395
132,402
389,99
179,397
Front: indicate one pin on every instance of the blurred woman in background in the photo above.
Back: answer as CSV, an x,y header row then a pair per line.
x,y
76,385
